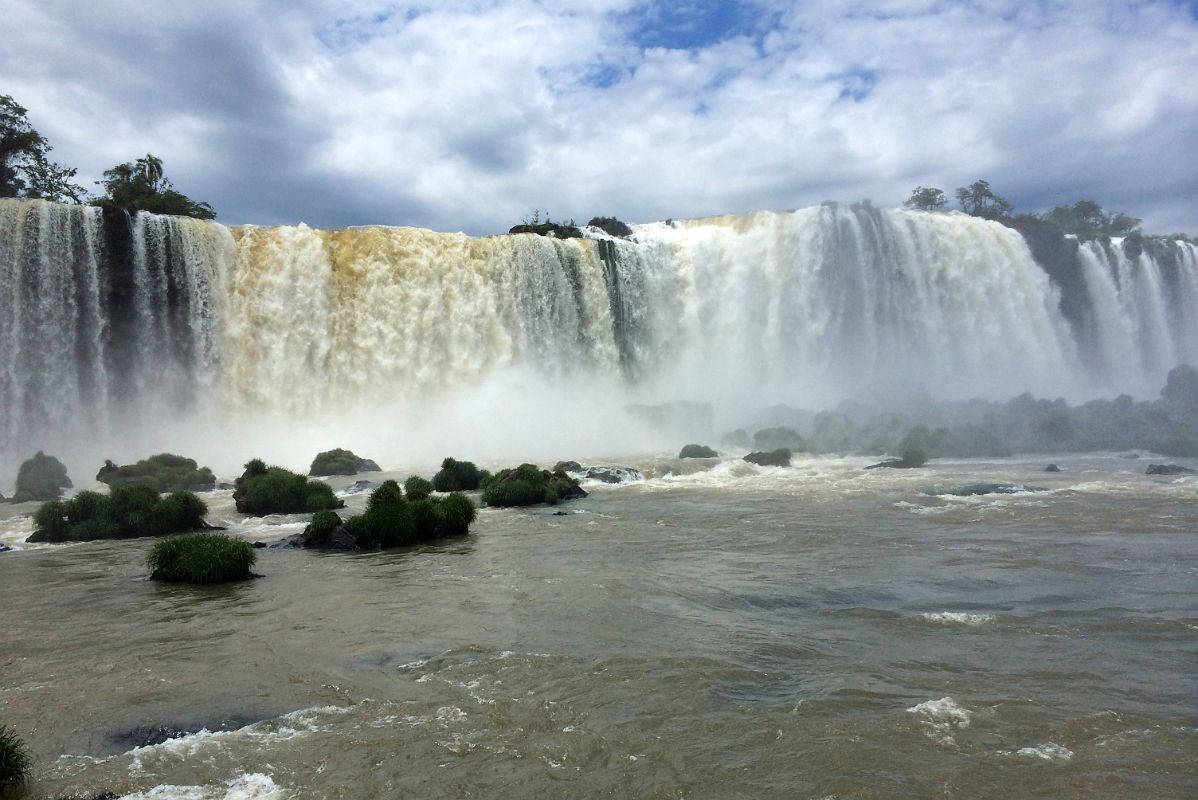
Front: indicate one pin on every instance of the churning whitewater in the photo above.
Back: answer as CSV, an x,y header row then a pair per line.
x,y
111,319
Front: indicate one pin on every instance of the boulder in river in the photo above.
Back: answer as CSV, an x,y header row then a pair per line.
x,y
775,458
1167,469
1052,468
697,451
341,462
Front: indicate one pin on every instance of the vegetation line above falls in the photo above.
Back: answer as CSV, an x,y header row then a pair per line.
x,y
110,320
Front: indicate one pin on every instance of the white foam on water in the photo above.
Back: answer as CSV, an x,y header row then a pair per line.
x,y
1048,751
249,786
941,718
957,618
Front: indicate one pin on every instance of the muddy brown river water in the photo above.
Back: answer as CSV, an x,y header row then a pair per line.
x,y
739,632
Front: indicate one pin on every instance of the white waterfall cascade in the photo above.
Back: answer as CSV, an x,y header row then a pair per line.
x,y
804,307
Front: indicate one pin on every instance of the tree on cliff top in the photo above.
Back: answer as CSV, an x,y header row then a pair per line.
x,y
25,168
142,185
978,200
926,198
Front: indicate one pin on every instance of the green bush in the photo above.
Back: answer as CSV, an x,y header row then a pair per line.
x,y
528,486
697,451
417,487
459,513
323,523
166,472
774,458
15,762
263,490
427,517
388,521
42,477
340,462
125,513
201,558
457,476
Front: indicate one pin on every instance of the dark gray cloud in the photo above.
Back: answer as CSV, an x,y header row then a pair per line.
x,y
467,114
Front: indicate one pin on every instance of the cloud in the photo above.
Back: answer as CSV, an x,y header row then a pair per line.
x,y
467,115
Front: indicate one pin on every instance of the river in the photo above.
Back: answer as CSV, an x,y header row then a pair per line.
x,y
821,631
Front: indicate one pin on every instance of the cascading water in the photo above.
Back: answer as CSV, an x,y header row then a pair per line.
x,y
111,325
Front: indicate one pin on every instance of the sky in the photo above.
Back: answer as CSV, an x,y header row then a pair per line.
x,y
468,115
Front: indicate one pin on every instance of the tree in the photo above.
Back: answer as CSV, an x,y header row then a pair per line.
x,y
926,198
978,200
25,168
1087,218
142,185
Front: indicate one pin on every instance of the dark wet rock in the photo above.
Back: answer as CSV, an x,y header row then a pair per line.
x,y
611,226
912,458
975,489
774,458
1130,455
612,474
294,540
257,545
561,513
1052,468
551,229
1167,469
150,735
567,466
697,451
224,487
5,548
337,539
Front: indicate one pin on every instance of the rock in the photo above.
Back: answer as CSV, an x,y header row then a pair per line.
x,y
612,474
910,460
294,540
5,548
775,458
357,487
561,513
567,466
224,487
611,226
341,462
338,539
257,545
1167,469
975,489
1052,468
697,451
150,735
1130,455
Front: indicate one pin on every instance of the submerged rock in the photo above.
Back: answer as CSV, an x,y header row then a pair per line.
x,y
1167,469
5,548
974,489
613,474
1052,468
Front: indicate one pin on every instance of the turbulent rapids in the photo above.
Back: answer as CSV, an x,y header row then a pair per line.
x,y
111,320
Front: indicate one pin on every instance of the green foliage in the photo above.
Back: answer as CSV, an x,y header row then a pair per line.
x,y
457,476
611,226
526,485
1086,219
166,472
428,517
323,523
263,490
458,513
779,437
697,451
341,462
978,200
126,512
776,458
201,558
926,198
388,521
25,167
143,186
417,488
16,765
914,457
42,477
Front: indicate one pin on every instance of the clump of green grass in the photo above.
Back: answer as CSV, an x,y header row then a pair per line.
x,y
417,487
201,558
42,477
340,462
166,472
263,490
457,476
526,485
16,765
323,523
126,512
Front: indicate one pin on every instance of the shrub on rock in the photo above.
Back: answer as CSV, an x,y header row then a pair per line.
x,y
263,490
697,451
341,462
42,477
611,226
457,476
775,438
526,485
15,762
774,458
126,512
391,520
417,487
165,472
201,558
318,529
459,513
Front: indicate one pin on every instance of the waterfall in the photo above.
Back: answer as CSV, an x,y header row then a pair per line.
x,y
111,325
